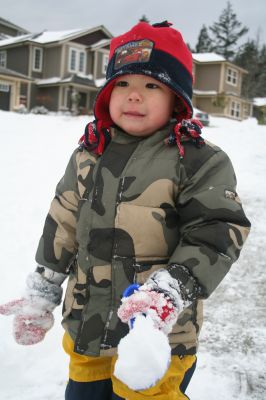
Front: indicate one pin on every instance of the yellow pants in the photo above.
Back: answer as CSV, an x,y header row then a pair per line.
x,y
87,369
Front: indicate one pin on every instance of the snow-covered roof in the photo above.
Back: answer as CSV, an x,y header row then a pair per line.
x,y
56,36
71,78
4,36
259,101
207,57
43,37
16,39
205,92
101,43
50,36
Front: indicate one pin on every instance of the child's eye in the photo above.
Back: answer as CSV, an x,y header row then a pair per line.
x,y
121,83
152,86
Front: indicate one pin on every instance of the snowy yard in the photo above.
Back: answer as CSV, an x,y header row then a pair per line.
x,y
34,151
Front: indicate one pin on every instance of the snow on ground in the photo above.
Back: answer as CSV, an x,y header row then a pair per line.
x,y
34,151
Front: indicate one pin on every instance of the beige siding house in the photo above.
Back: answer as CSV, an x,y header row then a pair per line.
x,y
217,87
12,86
65,68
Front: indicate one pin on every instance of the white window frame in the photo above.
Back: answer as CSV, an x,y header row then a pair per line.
x,y
4,87
105,63
77,65
235,109
232,76
3,58
34,68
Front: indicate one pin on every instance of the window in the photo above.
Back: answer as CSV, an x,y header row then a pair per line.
x,y
4,87
105,63
232,76
77,60
37,59
235,109
3,59
82,61
73,60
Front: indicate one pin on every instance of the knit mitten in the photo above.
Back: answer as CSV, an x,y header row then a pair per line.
x,y
160,298
33,312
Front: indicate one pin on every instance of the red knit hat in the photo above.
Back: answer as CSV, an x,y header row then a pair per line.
x,y
158,51
155,50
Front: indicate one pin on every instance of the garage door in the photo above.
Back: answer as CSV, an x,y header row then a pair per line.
x,y
4,96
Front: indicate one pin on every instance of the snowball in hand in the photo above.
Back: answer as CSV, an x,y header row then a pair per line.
x,y
143,355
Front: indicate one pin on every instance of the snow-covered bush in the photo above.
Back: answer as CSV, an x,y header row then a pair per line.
x,y
39,110
21,109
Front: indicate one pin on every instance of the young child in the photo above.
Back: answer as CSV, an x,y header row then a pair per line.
x,y
143,200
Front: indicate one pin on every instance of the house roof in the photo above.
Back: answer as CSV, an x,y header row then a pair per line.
x,y
74,78
215,58
11,25
52,36
205,92
259,101
207,57
102,43
10,72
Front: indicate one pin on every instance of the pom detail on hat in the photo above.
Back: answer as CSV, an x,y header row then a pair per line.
x,y
95,138
186,129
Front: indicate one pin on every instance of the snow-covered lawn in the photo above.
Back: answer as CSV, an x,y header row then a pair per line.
x,y
34,151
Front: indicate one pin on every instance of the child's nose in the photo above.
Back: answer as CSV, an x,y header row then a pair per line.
x,y
134,96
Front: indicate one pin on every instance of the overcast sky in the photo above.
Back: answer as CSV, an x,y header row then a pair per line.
x,y
119,15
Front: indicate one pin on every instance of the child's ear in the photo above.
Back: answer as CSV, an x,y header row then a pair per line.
x,y
179,107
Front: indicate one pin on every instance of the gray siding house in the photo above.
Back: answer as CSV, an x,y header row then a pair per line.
x,y
8,29
65,68
217,87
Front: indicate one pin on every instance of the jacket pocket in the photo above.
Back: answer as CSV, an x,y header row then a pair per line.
x,y
76,292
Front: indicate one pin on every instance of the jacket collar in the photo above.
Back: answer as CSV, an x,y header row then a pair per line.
x,y
120,136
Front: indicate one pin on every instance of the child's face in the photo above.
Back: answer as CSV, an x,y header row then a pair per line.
x,y
141,105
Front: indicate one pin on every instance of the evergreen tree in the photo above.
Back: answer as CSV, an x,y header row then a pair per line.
x,y
253,59
144,19
261,81
204,44
226,32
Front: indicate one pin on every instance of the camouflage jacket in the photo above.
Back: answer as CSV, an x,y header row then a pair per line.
x,y
118,217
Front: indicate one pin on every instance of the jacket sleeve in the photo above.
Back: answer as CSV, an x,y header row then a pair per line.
x,y
58,244
213,224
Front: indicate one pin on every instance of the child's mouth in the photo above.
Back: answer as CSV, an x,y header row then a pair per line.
x,y
133,114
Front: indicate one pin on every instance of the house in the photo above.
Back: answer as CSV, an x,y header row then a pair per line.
x,y
65,68
8,29
217,87
12,84
11,81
